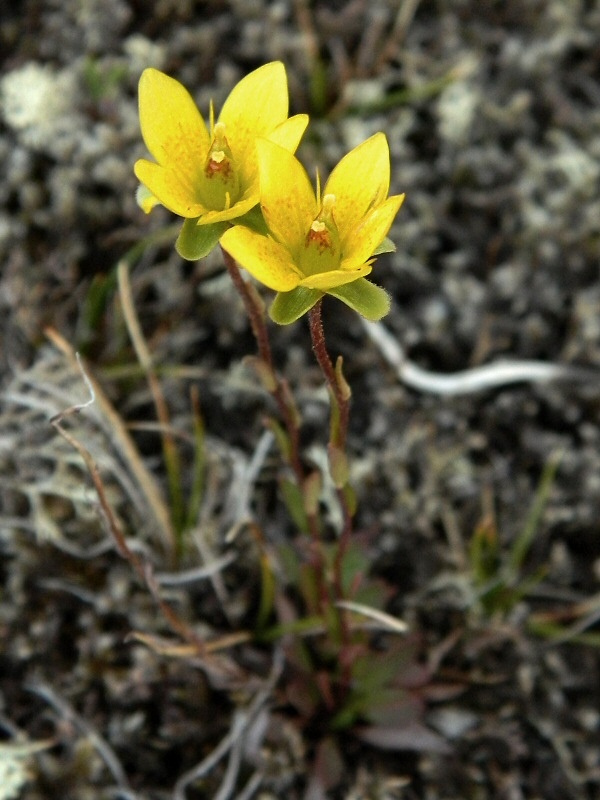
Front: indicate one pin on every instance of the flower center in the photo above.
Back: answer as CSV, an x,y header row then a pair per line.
x,y
322,242
221,187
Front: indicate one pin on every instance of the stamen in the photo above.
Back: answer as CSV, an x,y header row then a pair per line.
x,y
323,234
219,158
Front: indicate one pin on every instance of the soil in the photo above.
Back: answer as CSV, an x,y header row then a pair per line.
x,y
478,502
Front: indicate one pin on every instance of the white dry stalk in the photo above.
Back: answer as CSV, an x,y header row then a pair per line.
x,y
98,742
384,621
476,379
241,722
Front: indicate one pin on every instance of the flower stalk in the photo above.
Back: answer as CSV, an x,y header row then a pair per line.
x,y
290,447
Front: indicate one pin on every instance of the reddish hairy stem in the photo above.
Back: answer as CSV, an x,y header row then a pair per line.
x,y
259,329
317,336
343,407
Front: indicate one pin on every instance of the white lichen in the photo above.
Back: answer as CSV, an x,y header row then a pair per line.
x,y
456,109
14,771
142,53
38,103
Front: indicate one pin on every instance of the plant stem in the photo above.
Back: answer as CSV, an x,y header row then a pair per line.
x,y
259,329
281,395
317,336
340,403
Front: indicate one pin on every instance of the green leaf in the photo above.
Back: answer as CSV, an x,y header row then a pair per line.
x,y
342,383
311,493
338,465
268,590
196,241
370,301
294,502
264,372
290,306
351,499
281,437
387,246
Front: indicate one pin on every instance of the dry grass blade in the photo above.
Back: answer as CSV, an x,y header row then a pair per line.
x,y
222,670
145,480
170,451
142,569
383,620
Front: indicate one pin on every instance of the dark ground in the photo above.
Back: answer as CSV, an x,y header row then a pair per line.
x,y
492,110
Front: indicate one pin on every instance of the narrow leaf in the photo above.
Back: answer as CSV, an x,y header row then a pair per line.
x,y
311,493
338,465
294,502
414,736
343,384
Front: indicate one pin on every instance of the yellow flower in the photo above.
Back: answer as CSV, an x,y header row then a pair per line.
x,y
210,175
320,244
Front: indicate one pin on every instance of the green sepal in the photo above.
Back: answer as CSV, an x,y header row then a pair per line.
x,y
254,220
370,301
387,246
290,306
196,241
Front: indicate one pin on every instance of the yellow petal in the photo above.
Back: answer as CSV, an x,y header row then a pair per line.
x,y
265,259
237,210
174,190
289,133
255,106
359,182
287,198
337,277
172,126
362,242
